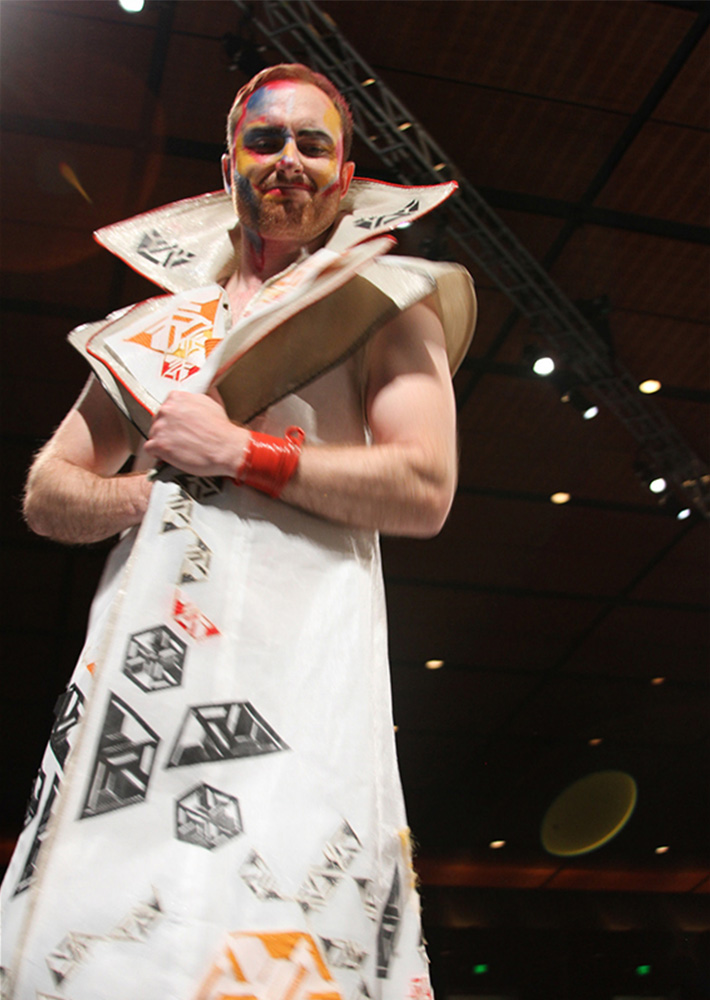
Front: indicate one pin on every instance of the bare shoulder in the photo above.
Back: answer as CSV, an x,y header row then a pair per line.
x,y
411,342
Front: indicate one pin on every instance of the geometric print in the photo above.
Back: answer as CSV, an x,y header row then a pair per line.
x,y
224,731
185,338
155,658
282,965
74,948
207,817
389,926
322,879
189,617
66,712
30,864
258,876
343,954
123,763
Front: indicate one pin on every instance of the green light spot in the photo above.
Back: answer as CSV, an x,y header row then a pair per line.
x,y
643,970
480,969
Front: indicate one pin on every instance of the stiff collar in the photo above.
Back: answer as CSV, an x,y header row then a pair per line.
x,y
190,243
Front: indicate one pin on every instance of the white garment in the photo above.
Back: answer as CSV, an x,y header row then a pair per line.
x,y
229,821
280,868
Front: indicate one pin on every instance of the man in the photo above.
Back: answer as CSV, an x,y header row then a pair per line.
x,y
240,698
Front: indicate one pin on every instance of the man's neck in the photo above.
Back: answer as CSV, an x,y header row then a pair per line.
x,y
259,260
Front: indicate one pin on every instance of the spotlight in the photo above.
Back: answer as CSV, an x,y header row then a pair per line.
x,y
537,359
579,401
132,6
649,385
651,478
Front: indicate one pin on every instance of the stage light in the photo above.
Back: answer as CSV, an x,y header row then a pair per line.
x,y
580,402
663,849
434,664
595,742
368,83
649,386
560,498
538,360
643,970
657,681
439,166
684,513
496,844
132,6
404,126
480,969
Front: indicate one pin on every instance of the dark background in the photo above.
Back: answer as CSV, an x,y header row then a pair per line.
x,y
585,125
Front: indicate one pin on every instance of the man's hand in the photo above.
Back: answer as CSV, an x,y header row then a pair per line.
x,y
194,434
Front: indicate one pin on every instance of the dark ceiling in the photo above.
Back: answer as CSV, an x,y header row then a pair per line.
x,y
585,126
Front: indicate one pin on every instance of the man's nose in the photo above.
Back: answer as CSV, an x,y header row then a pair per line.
x,y
289,158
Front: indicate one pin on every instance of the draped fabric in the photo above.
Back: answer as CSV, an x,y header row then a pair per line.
x,y
218,813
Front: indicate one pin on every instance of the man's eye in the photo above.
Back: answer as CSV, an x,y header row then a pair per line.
x,y
266,144
311,148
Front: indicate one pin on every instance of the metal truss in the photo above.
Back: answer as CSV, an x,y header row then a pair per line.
x,y
301,32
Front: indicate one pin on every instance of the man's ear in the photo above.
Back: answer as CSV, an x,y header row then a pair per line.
x,y
346,175
226,163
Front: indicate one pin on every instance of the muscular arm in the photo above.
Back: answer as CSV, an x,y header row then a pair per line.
x,y
403,484
73,493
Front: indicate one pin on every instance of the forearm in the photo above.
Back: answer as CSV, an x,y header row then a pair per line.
x,y
70,504
394,488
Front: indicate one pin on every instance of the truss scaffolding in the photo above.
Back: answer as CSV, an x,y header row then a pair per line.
x,y
301,32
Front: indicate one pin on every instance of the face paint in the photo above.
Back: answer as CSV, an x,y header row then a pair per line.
x,y
287,161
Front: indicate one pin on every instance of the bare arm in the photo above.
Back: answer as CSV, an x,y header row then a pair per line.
x,y
73,493
403,484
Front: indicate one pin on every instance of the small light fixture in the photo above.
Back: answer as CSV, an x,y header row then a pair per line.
x,y
368,83
658,485
404,126
649,386
396,729
560,498
683,513
657,681
132,6
595,742
434,664
538,360
496,845
580,402
439,166
663,849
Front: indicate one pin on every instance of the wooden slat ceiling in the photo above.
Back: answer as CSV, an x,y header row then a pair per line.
x,y
586,126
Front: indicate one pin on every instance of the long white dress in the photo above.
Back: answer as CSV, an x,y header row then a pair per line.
x,y
229,821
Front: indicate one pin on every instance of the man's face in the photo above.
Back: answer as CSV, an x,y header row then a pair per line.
x,y
286,163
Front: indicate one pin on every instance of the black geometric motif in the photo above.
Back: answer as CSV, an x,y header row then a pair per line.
x,y
258,876
321,880
67,712
178,513
375,221
223,732
343,954
199,487
196,564
389,925
124,760
207,817
155,658
137,925
31,863
369,901
35,796
155,248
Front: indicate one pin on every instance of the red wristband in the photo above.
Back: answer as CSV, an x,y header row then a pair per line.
x,y
269,462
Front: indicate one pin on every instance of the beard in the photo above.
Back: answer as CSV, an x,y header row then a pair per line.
x,y
299,219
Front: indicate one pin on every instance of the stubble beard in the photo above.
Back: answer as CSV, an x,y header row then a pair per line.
x,y
298,220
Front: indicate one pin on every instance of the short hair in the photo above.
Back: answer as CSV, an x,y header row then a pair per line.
x,y
292,71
